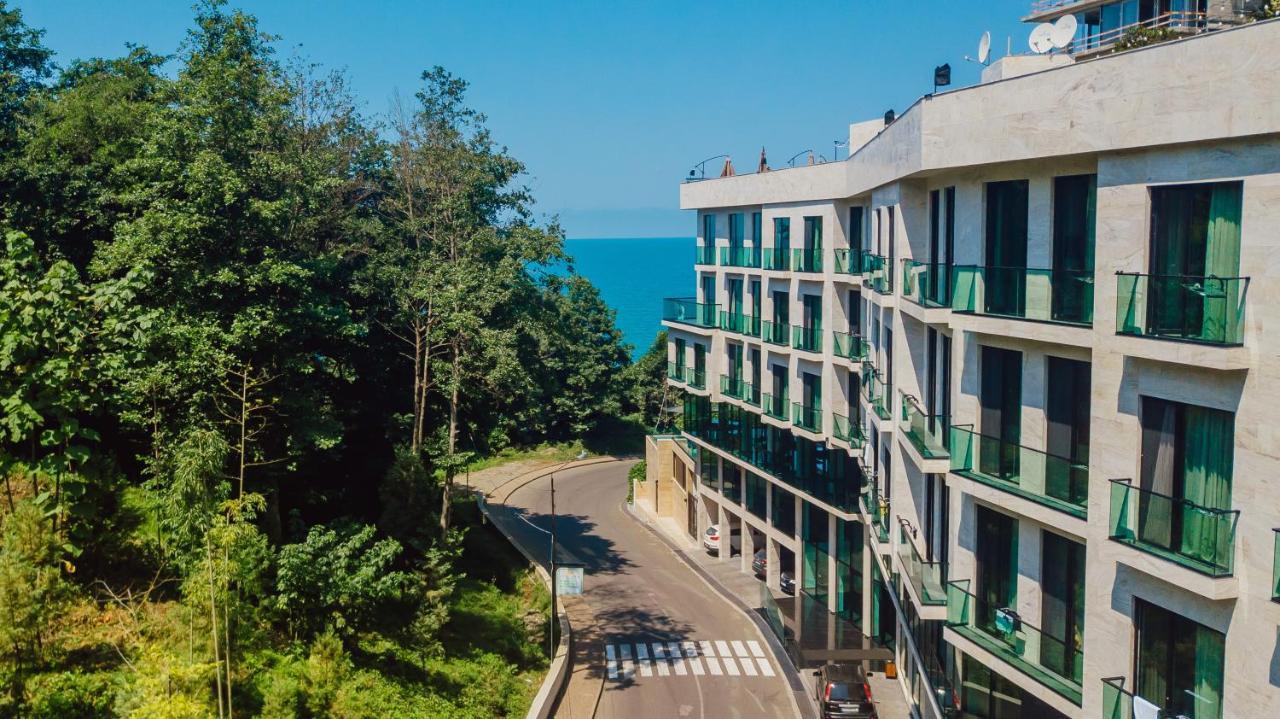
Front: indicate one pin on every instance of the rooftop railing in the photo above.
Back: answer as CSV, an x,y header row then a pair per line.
x,y
806,417
1192,535
1024,293
1056,482
808,339
740,256
1055,662
926,284
928,578
740,323
775,333
688,311
850,346
926,432
1183,21
873,390
1181,307
809,260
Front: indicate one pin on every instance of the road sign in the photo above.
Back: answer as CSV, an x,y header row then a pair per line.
x,y
569,579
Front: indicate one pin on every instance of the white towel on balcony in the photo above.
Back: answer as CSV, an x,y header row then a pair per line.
x,y
1143,709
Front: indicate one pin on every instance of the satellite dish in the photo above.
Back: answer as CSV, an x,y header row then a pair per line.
x,y
1041,40
1064,31
984,47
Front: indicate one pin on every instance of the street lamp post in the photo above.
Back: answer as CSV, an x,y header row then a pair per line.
x,y
551,640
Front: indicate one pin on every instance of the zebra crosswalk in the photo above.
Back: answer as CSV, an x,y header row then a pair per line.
x,y
732,658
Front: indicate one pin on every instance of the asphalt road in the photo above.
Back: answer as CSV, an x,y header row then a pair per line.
x,y
647,600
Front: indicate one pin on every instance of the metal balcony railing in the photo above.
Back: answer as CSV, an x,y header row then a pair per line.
x,y
1024,293
1209,310
928,578
687,310
1057,482
1192,535
873,390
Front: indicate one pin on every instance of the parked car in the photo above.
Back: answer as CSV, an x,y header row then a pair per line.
x,y
787,583
711,539
843,692
760,562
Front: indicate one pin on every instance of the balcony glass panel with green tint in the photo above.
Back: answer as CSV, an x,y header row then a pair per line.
x,y
1192,309
806,417
1015,641
731,387
696,378
776,258
806,338
848,431
877,274
704,255
675,371
849,346
740,256
926,432
775,333
848,261
776,406
1019,292
740,324
806,260
1117,702
928,578
926,284
1200,538
1275,567
1041,477
687,310
877,509
873,390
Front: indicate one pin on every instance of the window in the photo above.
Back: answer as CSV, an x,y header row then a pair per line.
x,y
709,230
855,227
987,695
1000,414
784,512
1074,220
1179,663
1006,248
996,555
757,232
1062,608
1067,435
735,230
680,356
782,233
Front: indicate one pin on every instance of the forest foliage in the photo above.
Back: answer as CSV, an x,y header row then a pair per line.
x,y
249,335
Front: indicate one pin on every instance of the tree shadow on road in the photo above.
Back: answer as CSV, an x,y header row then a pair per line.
x,y
576,542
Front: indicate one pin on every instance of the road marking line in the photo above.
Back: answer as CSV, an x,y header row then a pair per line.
x,y
677,663
642,656
710,655
765,667
756,650
660,659
628,667
747,667
730,666
691,656
723,648
612,664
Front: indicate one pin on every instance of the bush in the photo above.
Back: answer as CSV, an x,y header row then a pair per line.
x,y
70,694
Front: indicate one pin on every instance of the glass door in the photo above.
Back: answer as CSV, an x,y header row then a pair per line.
x,y
996,555
1062,610
1195,247
1067,436
1179,663
1000,415
1006,258
1074,218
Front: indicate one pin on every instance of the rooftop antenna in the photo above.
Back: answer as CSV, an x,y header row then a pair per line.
x,y
984,50
1064,32
792,161
1041,40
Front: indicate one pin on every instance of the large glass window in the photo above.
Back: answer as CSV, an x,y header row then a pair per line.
x,y
816,552
709,230
1062,611
1067,413
1179,663
784,512
1000,397
1006,246
996,555
735,231
849,544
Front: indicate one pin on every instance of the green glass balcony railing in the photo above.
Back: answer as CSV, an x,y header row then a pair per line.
x,y
732,386
1275,567
704,255
849,346
877,273
928,578
775,333
809,260
848,431
740,323
1201,538
1023,293
806,417
1057,663
777,258
776,406
926,432
926,284
740,256
1117,702
1056,482
1192,309
675,371
848,261
696,378
876,506
873,390
687,310
806,338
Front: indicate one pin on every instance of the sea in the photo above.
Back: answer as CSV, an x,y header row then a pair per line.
x,y
633,275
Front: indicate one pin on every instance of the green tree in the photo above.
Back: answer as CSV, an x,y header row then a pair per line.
x,y
32,593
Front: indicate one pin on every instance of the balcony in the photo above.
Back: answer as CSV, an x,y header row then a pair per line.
x,y
696,378
806,260
1064,296
1055,482
1117,703
775,406
675,371
926,432
704,255
688,311
848,261
739,389
850,346
740,256
846,431
775,333
1275,567
777,258
1052,662
1197,537
926,284
873,390
1206,310
808,339
876,507
806,417
928,578
738,323
877,273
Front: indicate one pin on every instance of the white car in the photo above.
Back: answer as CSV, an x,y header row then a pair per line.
x,y
711,540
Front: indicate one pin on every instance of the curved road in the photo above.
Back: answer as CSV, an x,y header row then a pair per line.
x,y
642,594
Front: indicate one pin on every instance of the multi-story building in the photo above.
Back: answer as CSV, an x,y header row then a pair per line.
x,y
997,390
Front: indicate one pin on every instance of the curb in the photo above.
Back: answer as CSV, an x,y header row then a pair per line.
x,y
799,696
535,474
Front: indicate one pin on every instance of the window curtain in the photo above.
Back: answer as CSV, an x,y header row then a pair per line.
x,y
1006,247
1173,209
1155,517
1210,657
1222,260
1209,443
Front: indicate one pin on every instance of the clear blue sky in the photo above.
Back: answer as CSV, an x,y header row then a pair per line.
x,y
608,103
